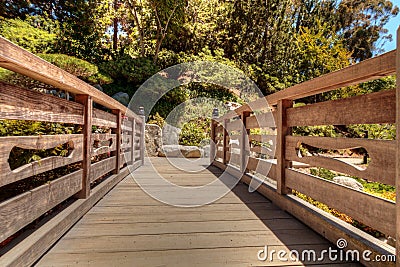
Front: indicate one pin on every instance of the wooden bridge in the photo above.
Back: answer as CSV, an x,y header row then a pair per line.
x,y
97,214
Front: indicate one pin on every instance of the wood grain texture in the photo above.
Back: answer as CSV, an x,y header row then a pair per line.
x,y
370,69
100,148
23,104
101,168
363,207
21,61
380,169
37,142
29,250
235,125
371,108
118,140
264,120
264,167
104,119
21,210
149,233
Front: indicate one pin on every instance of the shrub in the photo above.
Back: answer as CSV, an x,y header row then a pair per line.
x,y
27,36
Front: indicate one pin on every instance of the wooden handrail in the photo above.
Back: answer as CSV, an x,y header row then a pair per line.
x,y
373,68
381,107
16,59
91,155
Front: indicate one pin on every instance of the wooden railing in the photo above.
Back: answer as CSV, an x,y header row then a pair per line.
x,y
120,144
374,108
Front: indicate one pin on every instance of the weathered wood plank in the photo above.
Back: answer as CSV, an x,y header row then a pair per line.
x,y
371,108
23,104
98,139
23,209
380,169
370,69
101,168
37,142
373,68
363,207
235,125
29,250
263,167
263,120
21,61
104,119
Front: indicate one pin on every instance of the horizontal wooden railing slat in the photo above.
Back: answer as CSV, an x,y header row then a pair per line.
x,y
118,141
276,113
371,108
363,207
21,210
263,167
21,61
380,169
20,104
370,69
37,142
101,168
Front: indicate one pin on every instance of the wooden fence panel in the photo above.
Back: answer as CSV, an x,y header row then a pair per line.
x,y
380,169
23,209
37,142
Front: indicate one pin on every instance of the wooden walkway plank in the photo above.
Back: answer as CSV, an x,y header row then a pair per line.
x,y
129,228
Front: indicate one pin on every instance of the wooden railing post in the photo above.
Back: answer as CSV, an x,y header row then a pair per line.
x,y
118,132
215,115
225,141
87,101
282,131
142,135
133,141
398,149
244,142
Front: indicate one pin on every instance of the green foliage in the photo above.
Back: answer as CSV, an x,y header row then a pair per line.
x,y
193,132
156,119
22,33
128,69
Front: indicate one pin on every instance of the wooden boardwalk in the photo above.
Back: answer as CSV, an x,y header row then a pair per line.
x,y
129,228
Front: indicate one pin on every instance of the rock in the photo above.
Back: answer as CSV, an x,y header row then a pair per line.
x,y
153,139
206,149
192,152
178,151
170,135
122,97
348,182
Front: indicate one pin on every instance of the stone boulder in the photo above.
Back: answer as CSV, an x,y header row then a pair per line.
x,y
178,151
122,98
206,149
348,181
170,135
153,139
